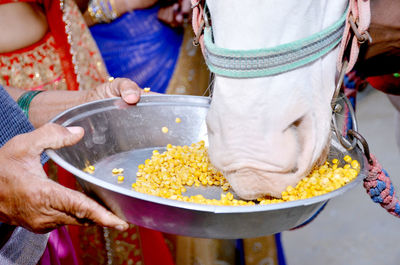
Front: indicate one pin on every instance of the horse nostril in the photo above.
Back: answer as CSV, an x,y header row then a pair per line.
x,y
294,125
297,122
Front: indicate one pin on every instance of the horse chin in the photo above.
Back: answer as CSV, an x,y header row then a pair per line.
x,y
250,183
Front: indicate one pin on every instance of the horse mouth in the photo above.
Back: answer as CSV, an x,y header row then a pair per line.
x,y
255,182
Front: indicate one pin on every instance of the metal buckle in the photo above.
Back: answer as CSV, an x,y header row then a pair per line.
x,y
361,139
337,108
196,4
361,38
339,84
347,143
196,39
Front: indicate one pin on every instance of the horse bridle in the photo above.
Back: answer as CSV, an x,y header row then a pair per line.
x,y
350,29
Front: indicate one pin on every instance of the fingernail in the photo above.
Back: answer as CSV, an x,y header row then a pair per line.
x,y
121,227
75,129
132,91
131,96
79,215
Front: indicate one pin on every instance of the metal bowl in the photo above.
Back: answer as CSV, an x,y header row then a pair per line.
x,y
121,136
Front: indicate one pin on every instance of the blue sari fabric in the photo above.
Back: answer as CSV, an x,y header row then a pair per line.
x,y
140,47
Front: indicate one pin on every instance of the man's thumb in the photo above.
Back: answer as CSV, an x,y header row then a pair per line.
x,y
54,136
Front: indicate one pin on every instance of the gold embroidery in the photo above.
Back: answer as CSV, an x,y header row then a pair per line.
x,y
36,68
89,66
126,246
40,67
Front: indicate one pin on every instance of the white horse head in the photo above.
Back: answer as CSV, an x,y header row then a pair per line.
x,y
266,133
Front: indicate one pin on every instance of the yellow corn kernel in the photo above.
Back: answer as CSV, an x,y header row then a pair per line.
x,y
168,174
120,178
229,196
347,158
115,171
164,129
178,120
355,164
89,169
146,89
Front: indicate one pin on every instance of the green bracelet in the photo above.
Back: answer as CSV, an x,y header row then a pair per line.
x,y
24,101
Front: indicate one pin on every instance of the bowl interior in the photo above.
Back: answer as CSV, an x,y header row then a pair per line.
x,y
121,136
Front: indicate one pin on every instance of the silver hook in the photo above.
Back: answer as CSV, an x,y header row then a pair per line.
x,y
344,141
361,38
339,84
196,4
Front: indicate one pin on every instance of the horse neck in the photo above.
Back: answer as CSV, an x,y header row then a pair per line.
x,y
255,24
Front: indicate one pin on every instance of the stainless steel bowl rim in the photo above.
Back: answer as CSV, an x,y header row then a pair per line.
x,y
149,99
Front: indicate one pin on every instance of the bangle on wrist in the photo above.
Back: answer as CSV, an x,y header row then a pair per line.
x,y
102,11
24,101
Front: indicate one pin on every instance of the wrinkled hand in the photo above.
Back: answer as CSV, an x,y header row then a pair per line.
x,y
175,14
31,200
119,87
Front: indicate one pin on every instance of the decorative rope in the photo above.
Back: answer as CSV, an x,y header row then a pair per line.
x,y
378,183
380,188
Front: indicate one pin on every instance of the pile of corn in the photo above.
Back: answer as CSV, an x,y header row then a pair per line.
x,y
168,174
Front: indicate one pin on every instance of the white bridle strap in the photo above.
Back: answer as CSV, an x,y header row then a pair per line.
x,y
359,14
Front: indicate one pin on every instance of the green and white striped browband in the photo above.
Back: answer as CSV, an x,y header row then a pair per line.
x,y
271,61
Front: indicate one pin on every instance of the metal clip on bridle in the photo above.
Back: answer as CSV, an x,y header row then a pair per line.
x,y
356,135
348,141
204,22
361,37
196,39
337,108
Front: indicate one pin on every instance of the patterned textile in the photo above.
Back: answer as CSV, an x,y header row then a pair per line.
x,y
82,67
67,58
23,247
140,47
19,68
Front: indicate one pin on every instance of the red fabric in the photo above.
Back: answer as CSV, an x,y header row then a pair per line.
x,y
28,48
16,1
154,248
386,83
57,25
54,15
